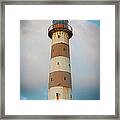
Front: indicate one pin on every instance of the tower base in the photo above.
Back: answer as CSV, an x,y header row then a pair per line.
x,y
56,93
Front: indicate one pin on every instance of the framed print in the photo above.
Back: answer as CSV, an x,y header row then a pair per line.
x,y
60,59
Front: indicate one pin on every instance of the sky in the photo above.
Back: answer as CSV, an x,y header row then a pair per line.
x,y
35,46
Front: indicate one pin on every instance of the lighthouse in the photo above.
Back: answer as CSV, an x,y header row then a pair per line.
x,y
60,83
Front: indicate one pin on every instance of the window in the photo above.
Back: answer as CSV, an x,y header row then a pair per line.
x,y
58,36
58,63
57,96
69,65
64,49
64,78
51,79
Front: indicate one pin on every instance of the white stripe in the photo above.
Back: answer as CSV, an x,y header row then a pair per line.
x,y
63,38
60,63
64,93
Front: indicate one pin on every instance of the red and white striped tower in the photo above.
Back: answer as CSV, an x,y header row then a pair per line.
x,y
60,85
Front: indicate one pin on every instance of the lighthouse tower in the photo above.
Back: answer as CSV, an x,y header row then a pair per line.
x,y
60,85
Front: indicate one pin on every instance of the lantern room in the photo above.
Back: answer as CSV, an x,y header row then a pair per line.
x,y
60,25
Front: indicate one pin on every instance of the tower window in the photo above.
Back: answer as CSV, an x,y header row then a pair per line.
x,y
69,65
51,79
58,63
64,78
57,96
64,49
58,36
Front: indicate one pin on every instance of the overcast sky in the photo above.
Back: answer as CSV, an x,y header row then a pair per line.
x,y
35,59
